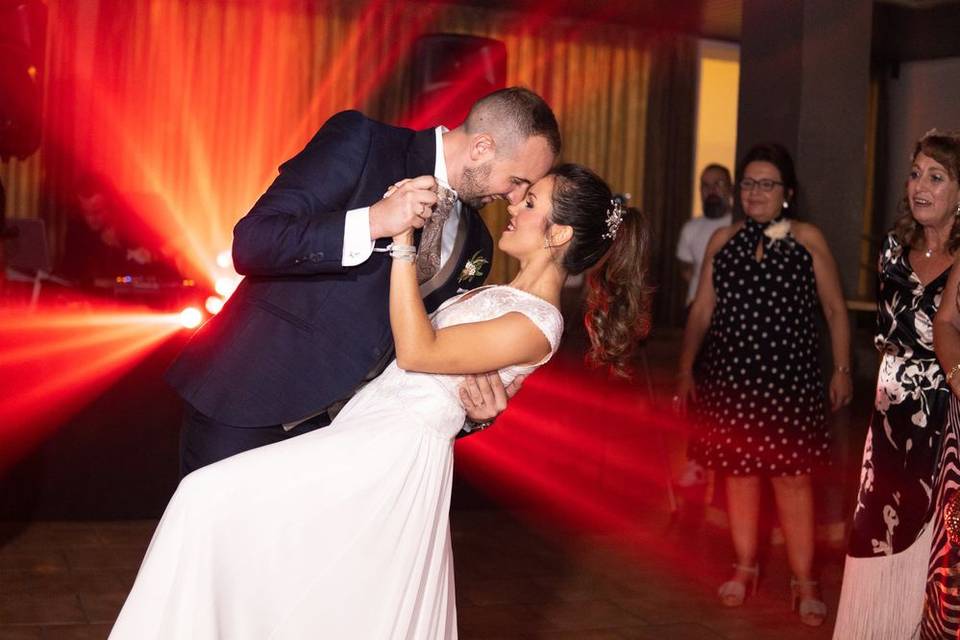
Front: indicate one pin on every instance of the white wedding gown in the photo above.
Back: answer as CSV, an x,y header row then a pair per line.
x,y
341,533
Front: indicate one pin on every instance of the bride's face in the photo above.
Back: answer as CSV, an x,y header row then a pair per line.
x,y
526,233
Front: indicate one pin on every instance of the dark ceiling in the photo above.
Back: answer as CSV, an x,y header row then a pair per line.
x,y
903,29
719,19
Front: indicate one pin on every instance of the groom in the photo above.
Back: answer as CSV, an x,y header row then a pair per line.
x,y
310,323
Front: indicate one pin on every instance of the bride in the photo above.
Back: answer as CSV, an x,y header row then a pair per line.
x,y
349,536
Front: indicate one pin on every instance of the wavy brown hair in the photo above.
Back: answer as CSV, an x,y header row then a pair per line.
x,y
618,302
944,147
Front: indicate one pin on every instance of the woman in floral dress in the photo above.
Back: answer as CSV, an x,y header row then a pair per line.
x,y
886,567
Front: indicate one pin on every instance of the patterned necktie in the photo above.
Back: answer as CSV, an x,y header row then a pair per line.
x,y
428,255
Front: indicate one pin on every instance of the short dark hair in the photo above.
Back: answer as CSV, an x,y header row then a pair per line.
x,y
777,155
526,113
713,166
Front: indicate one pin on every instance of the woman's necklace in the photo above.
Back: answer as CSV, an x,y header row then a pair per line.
x,y
928,253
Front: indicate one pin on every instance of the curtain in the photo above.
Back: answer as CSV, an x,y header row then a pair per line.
x,y
671,108
188,107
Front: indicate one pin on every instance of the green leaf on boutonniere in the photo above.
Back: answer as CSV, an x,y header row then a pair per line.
x,y
473,268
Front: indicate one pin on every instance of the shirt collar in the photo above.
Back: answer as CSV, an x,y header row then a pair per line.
x,y
440,168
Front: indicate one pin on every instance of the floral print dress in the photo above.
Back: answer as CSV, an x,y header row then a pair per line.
x,y
902,445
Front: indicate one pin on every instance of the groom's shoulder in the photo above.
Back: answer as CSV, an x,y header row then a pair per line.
x,y
349,120
352,118
349,127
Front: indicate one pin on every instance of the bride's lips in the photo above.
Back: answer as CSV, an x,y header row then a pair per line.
x,y
509,227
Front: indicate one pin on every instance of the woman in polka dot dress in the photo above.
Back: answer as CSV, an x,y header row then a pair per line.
x,y
760,397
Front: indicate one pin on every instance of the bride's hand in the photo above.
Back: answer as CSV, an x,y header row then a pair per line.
x,y
405,237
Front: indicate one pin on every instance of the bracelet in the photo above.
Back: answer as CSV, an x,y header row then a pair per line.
x,y
954,370
842,369
405,252
470,426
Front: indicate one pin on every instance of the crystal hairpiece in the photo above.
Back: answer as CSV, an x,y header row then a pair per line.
x,y
614,218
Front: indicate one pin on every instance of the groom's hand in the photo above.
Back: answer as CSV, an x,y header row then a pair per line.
x,y
484,397
409,203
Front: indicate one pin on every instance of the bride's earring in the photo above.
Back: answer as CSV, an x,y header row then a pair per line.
x,y
546,242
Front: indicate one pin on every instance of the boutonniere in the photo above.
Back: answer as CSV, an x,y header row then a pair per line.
x,y
778,230
473,268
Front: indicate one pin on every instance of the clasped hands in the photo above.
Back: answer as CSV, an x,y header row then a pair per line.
x,y
407,205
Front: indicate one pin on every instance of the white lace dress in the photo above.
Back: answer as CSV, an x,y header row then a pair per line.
x,y
341,533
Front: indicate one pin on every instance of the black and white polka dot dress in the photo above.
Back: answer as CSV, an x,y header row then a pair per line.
x,y
760,396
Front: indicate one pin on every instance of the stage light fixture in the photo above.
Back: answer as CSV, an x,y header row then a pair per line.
x,y
191,317
214,304
226,286
225,259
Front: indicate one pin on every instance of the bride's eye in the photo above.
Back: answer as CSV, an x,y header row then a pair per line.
x,y
529,204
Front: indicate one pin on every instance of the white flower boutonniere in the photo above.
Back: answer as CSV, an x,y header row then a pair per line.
x,y
473,268
778,230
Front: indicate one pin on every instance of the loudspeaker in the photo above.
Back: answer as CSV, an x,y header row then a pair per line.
x,y
451,71
23,25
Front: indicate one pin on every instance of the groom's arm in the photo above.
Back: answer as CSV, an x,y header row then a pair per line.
x,y
297,226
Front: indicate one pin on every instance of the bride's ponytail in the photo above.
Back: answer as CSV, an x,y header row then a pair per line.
x,y
617,240
618,302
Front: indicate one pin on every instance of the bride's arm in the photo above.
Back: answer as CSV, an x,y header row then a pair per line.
x,y
476,347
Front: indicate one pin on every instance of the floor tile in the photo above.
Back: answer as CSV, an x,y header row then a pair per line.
x,y
17,632
77,632
29,609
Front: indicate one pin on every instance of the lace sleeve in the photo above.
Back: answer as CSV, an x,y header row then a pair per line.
x,y
547,318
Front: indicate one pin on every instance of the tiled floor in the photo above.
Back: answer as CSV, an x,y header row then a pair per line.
x,y
515,579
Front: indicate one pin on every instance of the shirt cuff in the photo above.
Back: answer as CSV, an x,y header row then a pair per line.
x,y
357,245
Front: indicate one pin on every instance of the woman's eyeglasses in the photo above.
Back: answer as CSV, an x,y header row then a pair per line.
x,y
748,184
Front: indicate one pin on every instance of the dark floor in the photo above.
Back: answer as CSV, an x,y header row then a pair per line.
x,y
61,580
561,526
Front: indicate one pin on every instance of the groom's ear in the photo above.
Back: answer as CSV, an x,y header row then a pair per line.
x,y
482,148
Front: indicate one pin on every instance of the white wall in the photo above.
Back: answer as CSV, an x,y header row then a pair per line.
x,y
718,90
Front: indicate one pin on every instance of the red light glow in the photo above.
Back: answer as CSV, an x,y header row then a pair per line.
x,y
53,362
574,447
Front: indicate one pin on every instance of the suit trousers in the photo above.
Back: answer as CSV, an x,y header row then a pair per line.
x,y
205,440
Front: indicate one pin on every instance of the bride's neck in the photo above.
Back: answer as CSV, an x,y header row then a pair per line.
x,y
543,278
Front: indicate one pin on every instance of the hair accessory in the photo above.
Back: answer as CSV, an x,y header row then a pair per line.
x,y
614,218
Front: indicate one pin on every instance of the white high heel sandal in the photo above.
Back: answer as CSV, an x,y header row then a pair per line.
x,y
732,593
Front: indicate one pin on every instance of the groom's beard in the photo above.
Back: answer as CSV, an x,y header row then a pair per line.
x,y
713,207
474,185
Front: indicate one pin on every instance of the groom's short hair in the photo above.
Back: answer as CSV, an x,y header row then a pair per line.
x,y
512,115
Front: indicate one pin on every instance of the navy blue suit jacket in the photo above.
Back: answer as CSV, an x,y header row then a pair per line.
x,y
301,332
